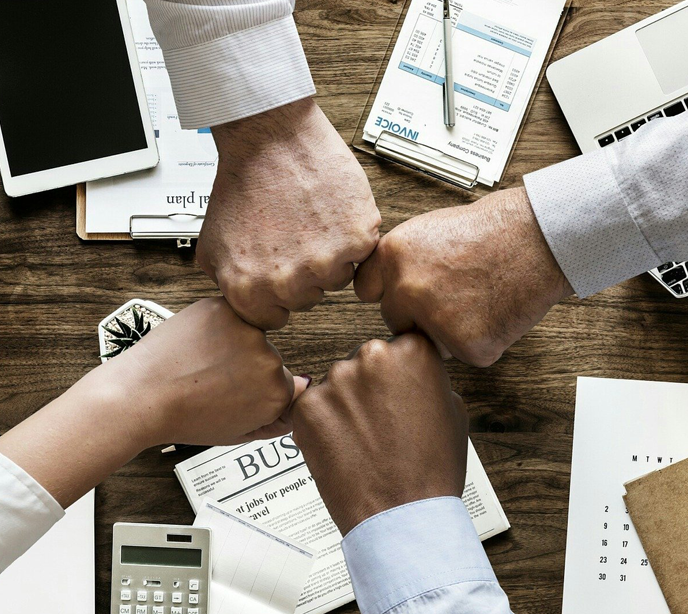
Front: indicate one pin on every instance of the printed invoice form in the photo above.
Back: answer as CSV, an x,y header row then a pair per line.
x,y
499,49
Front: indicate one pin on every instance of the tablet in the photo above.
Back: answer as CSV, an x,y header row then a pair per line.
x,y
72,102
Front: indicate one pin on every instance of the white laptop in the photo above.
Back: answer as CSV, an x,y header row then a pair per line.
x,y
610,89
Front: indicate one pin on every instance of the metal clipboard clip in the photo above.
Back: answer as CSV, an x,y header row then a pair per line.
x,y
427,160
180,226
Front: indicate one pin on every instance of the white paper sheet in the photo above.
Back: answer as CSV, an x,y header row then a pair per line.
x,y
268,481
58,573
183,180
499,49
623,429
254,570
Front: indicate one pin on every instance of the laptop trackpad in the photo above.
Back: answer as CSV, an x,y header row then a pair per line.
x,y
665,44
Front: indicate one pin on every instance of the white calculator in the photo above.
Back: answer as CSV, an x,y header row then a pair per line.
x,y
160,569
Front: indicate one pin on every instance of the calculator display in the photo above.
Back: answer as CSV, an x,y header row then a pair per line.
x,y
162,557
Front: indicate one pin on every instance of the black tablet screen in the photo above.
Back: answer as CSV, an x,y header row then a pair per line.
x,y
66,88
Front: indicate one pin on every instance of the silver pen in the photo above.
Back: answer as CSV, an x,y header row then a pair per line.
x,y
449,107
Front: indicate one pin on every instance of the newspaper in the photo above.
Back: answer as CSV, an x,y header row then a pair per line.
x,y
268,481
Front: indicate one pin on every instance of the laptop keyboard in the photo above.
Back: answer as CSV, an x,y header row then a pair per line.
x,y
675,108
672,275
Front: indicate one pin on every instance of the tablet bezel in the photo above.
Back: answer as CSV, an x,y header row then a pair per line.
x,y
100,168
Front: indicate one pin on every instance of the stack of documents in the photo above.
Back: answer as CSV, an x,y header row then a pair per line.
x,y
183,180
268,482
499,48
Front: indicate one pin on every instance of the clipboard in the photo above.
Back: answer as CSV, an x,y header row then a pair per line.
x,y
423,158
182,227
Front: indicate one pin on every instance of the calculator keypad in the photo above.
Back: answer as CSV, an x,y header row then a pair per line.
x,y
177,598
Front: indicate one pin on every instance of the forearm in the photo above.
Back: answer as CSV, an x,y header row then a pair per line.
x,y
230,59
76,441
619,211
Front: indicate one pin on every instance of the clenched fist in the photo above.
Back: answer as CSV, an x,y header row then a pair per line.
x,y
290,215
475,278
382,430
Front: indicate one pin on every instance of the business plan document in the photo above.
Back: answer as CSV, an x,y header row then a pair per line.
x,y
183,180
499,48
622,430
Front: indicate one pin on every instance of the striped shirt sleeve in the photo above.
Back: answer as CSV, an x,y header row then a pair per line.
x,y
230,59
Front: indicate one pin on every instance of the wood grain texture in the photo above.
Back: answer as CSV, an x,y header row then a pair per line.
x,y
54,289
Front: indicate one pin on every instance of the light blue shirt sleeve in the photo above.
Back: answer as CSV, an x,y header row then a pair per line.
x,y
617,212
422,557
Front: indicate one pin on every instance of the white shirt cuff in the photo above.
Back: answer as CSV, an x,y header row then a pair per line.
x,y
239,75
411,550
586,221
27,511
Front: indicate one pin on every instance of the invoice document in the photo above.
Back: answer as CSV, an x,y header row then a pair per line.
x,y
622,430
255,570
499,49
183,180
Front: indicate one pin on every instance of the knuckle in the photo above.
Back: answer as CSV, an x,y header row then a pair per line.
x,y
413,344
483,356
375,350
340,371
391,246
322,265
216,310
283,282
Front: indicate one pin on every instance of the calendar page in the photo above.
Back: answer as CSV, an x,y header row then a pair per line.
x,y
623,429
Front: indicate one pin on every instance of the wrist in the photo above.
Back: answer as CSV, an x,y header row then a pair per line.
x,y
552,279
280,130
132,404
80,438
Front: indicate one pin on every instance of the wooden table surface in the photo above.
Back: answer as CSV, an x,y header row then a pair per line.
x,y
54,289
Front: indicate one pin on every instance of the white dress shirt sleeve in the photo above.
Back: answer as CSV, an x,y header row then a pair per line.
x,y
27,511
230,59
619,211
422,558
